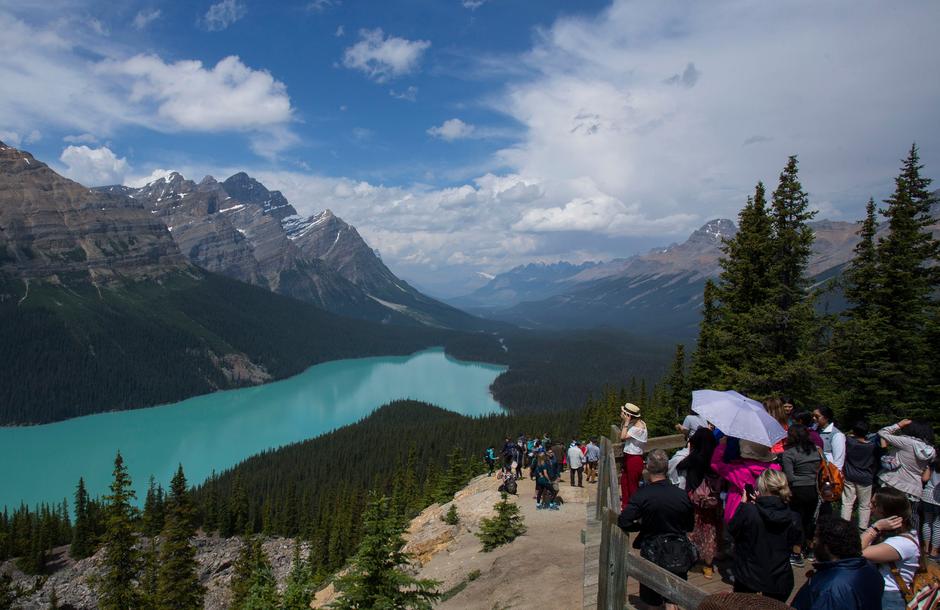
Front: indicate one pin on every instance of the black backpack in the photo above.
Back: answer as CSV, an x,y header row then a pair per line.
x,y
509,486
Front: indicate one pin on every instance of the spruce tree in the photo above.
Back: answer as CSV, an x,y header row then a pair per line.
x,y
178,582
679,394
906,298
153,516
375,578
502,528
242,571
117,587
300,586
706,360
82,535
149,579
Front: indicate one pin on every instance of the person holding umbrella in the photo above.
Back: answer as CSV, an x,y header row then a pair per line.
x,y
634,435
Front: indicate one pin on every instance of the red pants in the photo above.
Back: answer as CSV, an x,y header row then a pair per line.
x,y
630,477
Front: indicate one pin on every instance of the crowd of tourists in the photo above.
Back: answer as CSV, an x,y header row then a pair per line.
x,y
861,507
545,460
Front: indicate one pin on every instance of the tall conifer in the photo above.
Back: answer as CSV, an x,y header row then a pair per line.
x,y
82,534
117,587
178,583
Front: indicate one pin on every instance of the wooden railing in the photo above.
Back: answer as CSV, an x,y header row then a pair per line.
x,y
617,563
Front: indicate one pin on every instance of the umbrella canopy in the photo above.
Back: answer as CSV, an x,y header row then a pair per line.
x,y
737,415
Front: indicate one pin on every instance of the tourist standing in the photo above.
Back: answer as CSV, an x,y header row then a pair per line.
x,y
833,439
774,408
634,435
861,463
741,472
911,445
575,462
593,456
843,579
800,461
898,548
662,513
544,476
930,510
490,457
765,530
701,483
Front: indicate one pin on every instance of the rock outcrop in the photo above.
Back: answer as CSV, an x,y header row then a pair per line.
x,y
216,557
53,228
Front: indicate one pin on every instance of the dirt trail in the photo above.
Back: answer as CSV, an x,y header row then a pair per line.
x,y
543,569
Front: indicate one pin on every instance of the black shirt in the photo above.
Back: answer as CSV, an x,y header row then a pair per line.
x,y
657,508
860,461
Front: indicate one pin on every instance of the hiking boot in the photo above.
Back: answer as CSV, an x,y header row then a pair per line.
x,y
553,506
708,572
796,559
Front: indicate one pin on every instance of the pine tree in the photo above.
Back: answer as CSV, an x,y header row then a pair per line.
x,y
7,591
706,360
153,516
117,588
454,478
375,579
242,571
178,582
149,579
504,527
262,594
82,535
679,395
909,278
300,586
451,517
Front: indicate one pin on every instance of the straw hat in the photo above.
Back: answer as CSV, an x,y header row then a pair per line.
x,y
630,409
754,451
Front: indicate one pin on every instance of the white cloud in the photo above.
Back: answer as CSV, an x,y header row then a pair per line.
x,y
14,138
93,166
187,95
409,95
145,17
53,77
340,31
473,4
82,138
319,6
452,129
138,181
223,14
384,57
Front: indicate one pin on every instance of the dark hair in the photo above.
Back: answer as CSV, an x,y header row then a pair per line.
x,y
839,536
827,413
891,502
798,436
804,417
860,428
919,429
786,400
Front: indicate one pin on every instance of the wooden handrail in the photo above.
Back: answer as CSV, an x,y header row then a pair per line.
x,y
616,561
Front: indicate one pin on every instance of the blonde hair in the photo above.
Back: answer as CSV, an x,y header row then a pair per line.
x,y
774,406
774,483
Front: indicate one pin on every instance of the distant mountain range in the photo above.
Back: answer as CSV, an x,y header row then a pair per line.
x,y
244,231
101,310
658,293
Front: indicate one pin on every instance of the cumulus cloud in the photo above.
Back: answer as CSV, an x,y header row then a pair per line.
x,y
53,76
145,17
384,57
452,129
93,166
223,14
188,95
473,4
340,31
14,138
319,6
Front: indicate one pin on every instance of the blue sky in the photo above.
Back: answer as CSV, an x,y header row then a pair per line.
x,y
466,136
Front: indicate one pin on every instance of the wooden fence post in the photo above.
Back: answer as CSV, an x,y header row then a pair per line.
x,y
603,567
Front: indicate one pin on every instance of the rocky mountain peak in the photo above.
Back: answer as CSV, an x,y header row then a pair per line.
x,y
714,231
244,188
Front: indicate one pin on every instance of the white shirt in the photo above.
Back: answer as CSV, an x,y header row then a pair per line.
x,y
694,422
575,457
636,444
837,443
907,565
677,477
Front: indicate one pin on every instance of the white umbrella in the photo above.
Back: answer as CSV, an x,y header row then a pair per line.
x,y
738,416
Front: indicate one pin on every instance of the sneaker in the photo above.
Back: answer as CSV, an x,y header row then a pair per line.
x,y
810,556
538,506
553,506
796,559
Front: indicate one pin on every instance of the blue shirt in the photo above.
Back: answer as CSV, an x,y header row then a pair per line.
x,y
847,584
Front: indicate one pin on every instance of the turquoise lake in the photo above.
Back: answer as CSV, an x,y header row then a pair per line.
x,y
216,431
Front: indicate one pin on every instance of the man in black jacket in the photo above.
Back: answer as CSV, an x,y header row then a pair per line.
x,y
657,508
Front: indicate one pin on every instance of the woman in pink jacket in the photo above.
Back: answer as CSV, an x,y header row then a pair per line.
x,y
754,460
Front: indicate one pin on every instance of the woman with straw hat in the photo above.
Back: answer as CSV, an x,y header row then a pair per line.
x,y
634,434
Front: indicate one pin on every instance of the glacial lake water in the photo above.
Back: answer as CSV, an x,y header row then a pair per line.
x,y
216,431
